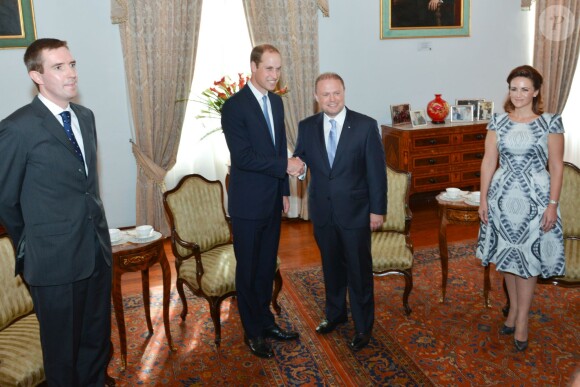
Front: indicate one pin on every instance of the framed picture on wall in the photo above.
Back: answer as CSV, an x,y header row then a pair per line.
x,y
17,27
418,118
462,113
484,110
424,18
400,114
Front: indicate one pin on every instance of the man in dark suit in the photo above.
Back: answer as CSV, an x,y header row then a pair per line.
x,y
347,200
50,206
253,124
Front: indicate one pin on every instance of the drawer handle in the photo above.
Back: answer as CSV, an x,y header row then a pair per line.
x,y
432,180
432,161
432,141
477,174
479,155
480,136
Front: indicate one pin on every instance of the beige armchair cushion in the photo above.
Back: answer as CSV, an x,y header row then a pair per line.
x,y
20,350
219,267
390,252
572,254
21,354
15,300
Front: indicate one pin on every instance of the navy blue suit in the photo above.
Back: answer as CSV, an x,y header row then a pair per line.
x,y
50,205
341,199
258,181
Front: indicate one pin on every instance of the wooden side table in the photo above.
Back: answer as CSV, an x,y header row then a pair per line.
x,y
457,212
130,257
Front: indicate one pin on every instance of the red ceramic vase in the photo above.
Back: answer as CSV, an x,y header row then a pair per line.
x,y
438,110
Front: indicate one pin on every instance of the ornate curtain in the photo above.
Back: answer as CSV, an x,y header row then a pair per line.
x,y
159,40
292,27
556,49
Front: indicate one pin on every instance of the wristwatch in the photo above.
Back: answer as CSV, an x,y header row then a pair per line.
x,y
552,201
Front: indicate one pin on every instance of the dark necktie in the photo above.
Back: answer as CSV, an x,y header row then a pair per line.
x,y
71,136
332,140
267,116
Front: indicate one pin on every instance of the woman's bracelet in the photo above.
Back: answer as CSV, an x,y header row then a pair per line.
x,y
552,201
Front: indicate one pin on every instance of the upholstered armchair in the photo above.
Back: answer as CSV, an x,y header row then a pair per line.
x,y
570,212
201,241
20,351
391,245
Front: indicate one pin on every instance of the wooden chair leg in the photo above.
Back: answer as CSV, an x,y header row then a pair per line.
x,y
408,274
277,287
214,310
179,286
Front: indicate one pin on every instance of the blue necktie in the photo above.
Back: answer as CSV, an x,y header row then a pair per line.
x,y
267,116
332,140
71,136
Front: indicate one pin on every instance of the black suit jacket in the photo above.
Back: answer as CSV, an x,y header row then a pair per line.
x,y
356,185
258,178
47,199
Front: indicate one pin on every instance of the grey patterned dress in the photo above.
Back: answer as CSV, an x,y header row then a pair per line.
x,y
517,198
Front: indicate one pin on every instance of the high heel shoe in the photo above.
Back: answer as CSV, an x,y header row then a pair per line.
x,y
520,345
505,330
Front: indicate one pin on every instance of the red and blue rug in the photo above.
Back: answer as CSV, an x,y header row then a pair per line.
x,y
456,343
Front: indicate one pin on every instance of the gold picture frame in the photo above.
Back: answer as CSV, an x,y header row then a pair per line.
x,y
17,25
418,19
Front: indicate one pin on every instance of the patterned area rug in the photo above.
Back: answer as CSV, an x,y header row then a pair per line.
x,y
455,343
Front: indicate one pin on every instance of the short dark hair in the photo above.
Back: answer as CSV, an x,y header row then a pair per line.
x,y
33,54
325,76
537,80
258,51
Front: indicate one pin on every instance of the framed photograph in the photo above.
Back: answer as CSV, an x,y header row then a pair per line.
x,y
418,118
462,113
400,114
17,27
472,101
484,110
424,18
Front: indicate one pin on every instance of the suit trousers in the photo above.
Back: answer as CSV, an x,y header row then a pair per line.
x,y
75,327
256,248
347,265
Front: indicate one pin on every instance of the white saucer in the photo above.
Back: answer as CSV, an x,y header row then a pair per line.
x,y
120,241
135,239
447,198
471,202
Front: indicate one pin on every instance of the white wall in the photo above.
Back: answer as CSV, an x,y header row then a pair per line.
x,y
377,72
95,44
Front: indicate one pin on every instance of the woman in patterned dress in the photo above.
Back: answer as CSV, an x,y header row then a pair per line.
x,y
521,229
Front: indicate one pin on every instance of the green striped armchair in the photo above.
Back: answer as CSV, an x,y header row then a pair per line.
x,y
391,246
20,351
201,241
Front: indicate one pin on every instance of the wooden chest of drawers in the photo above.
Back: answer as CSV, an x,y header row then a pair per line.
x,y
438,156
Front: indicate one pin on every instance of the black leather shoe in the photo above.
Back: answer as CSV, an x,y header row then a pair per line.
x,y
505,330
520,345
359,341
277,333
328,326
259,347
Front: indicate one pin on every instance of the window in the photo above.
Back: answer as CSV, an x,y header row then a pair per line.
x,y
223,49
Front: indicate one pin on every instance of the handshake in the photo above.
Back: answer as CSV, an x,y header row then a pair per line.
x,y
296,167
